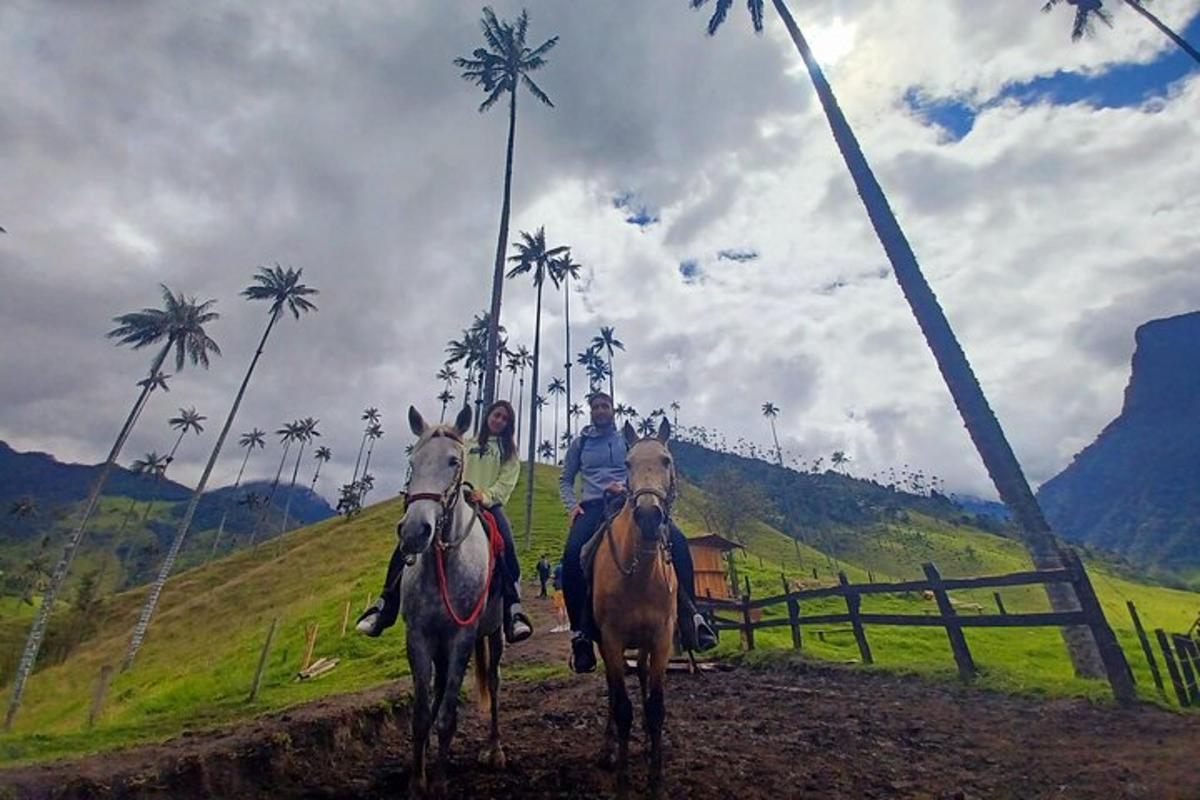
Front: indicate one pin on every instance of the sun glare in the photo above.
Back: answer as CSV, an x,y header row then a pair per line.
x,y
831,43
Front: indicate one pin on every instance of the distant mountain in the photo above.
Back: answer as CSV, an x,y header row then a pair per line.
x,y
138,541
1136,489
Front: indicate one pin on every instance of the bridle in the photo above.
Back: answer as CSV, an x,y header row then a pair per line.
x,y
660,544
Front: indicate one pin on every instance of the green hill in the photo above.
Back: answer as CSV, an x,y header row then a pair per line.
x,y
197,664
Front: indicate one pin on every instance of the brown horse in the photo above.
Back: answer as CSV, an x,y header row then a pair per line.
x,y
633,599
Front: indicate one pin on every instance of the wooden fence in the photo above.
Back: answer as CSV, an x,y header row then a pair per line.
x,y
1090,614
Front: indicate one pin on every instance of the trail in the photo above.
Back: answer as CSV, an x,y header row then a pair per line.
x,y
785,730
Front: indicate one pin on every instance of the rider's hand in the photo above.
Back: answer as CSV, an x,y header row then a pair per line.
x,y
575,512
475,496
616,487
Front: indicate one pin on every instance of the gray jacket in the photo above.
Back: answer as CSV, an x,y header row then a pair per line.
x,y
599,455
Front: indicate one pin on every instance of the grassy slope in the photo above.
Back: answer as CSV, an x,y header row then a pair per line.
x,y
197,664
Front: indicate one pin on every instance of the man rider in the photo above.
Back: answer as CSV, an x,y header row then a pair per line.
x,y
598,455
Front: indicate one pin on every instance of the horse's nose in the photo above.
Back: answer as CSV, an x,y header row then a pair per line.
x,y
414,541
648,519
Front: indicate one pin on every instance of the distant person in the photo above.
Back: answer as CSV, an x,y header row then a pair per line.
x,y
556,578
492,468
598,454
543,572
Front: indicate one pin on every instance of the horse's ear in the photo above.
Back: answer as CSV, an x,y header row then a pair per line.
x,y
630,434
462,423
416,421
664,431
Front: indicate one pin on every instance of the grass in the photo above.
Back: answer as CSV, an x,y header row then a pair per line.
x,y
198,661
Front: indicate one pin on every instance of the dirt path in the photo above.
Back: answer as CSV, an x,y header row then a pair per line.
x,y
789,730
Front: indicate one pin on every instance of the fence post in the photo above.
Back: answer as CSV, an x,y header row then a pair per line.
x,y
999,603
793,607
747,623
853,603
345,617
958,642
310,641
1172,668
814,573
1146,649
1183,648
1188,645
262,661
98,696
1120,677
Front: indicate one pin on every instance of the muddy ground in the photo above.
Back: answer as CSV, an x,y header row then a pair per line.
x,y
782,731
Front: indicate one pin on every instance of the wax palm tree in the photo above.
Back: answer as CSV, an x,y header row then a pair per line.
x,y
513,364
771,411
498,69
151,464
646,427
251,440
289,432
306,431
179,326
534,257
446,397
545,450
22,507
375,433
1086,10
477,337
447,375
370,416
526,362
981,423
596,368
675,414
557,388
322,455
566,268
283,290
187,420
576,411
839,459
607,342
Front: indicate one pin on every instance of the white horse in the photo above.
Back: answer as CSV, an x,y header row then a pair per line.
x,y
449,601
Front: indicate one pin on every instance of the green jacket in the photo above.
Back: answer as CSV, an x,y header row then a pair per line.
x,y
494,479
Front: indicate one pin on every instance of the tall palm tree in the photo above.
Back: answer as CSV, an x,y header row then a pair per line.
x,y
646,427
370,416
596,368
255,438
675,414
546,450
526,361
534,256
322,455
446,397
981,422
151,464
447,375
541,402
288,433
567,269
556,388
187,420
498,69
284,291
306,431
179,326
1085,10
375,433
607,342
513,365
771,411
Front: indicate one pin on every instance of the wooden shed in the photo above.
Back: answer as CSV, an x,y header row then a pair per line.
x,y
708,553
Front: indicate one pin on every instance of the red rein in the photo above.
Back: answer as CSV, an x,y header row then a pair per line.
x,y
487,584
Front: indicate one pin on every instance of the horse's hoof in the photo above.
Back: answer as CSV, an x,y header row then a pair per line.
x,y
493,757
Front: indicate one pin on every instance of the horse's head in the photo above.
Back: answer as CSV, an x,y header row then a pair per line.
x,y
435,480
651,478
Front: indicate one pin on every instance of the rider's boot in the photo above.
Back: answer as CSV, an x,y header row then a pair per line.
x,y
517,627
694,631
383,613
583,656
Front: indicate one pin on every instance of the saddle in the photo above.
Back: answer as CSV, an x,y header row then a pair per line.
x,y
587,553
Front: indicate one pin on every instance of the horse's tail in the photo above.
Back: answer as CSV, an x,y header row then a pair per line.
x,y
483,657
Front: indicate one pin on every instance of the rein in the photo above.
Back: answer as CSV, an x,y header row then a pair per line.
x,y
660,544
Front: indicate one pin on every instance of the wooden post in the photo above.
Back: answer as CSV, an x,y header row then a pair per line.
x,y
853,604
262,661
1172,668
814,573
870,576
1147,650
958,643
310,641
98,696
747,623
1188,645
793,607
799,560
345,618
999,603
1183,649
367,604
1120,677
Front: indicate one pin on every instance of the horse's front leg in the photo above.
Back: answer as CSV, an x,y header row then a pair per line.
x,y
655,709
495,748
458,653
420,663
620,709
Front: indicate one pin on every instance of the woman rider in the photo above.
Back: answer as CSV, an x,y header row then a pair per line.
x,y
491,469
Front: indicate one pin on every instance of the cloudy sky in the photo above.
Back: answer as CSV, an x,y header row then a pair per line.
x,y
1048,189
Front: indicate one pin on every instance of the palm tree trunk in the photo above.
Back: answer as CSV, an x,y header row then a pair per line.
x,y
158,476
493,334
533,418
520,404
1170,34
442,418
139,630
555,428
118,540
980,421
775,436
361,445
266,509
612,374
287,507
225,512
567,320
366,466
38,630
312,487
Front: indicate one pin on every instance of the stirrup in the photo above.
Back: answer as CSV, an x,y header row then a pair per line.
x,y
370,621
518,629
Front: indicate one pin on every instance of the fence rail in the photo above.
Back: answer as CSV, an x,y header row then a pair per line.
x,y
1089,614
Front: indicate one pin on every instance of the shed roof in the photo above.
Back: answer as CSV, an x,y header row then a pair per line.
x,y
716,541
